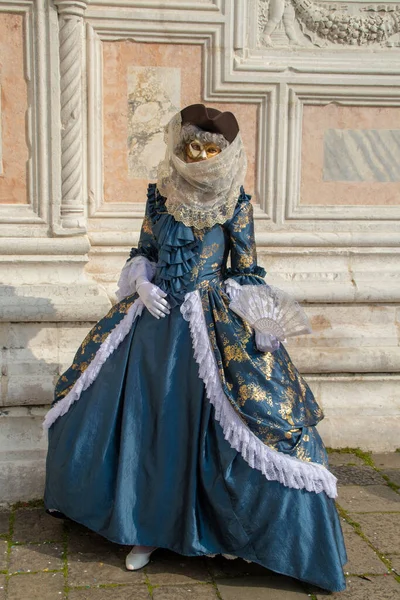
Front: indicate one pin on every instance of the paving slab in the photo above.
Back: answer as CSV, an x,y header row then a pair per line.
x,y
395,560
2,587
93,560
387,461
337,459
362,559
36,557
169,568
185,592
380,587
221,567
355,475
261,588
35,525
394,475
101,568
382,530
3,555
372,498
4,522
114,593
36,586
81,539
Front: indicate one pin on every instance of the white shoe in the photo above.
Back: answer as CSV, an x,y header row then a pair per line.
x,y
139,557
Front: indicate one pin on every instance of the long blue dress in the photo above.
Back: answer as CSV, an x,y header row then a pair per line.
x,y
142,454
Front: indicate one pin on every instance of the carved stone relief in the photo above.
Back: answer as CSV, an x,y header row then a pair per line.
x,y
154,95
71,44
324,24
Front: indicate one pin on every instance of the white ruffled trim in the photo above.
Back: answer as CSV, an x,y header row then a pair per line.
x,y
232,288
112,342
137,265
228,556
276,466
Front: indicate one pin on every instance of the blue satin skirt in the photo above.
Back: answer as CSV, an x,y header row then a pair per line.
x,y
140,459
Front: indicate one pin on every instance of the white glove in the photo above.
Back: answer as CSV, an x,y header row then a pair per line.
x,y
136,277
152,297
266,342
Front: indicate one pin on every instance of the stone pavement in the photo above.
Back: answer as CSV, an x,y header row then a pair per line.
x,y
42,558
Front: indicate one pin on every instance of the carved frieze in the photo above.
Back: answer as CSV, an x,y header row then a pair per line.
x,y
305,23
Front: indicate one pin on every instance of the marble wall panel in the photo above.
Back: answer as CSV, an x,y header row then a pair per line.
x,y
1,141
350,155
13,109
361,155
153,98
143,84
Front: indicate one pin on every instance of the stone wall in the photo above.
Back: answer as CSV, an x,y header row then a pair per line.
x,y
85,92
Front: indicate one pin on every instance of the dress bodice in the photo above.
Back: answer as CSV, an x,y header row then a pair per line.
x,y
184,268
187,258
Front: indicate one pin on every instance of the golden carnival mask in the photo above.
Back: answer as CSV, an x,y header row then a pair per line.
x,y
197,150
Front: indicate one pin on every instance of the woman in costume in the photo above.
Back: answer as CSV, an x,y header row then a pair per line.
x,y
182,422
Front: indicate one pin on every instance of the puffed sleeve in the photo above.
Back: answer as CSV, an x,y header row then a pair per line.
x,y
244,269
144,257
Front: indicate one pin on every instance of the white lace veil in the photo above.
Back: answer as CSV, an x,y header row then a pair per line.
x,y
200,194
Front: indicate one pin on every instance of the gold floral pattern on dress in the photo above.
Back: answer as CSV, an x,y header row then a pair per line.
x,y
318,413
213,339
147,226
243,219
271,439
245,261
65,391
207,252
285,410
199,233
221,315
302,454
86,341
251,391
234,352
292,371
303,387
266,360
245,333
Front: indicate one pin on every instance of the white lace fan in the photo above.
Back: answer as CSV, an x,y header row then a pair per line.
x,y
270,310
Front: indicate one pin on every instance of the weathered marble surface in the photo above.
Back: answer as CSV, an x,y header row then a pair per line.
x,y
348,156
1,140
361,155
13,107
153,98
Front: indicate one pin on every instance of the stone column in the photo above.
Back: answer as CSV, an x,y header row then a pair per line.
x,y
71,25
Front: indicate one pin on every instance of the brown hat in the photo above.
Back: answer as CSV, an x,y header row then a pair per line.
x,y
211,119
